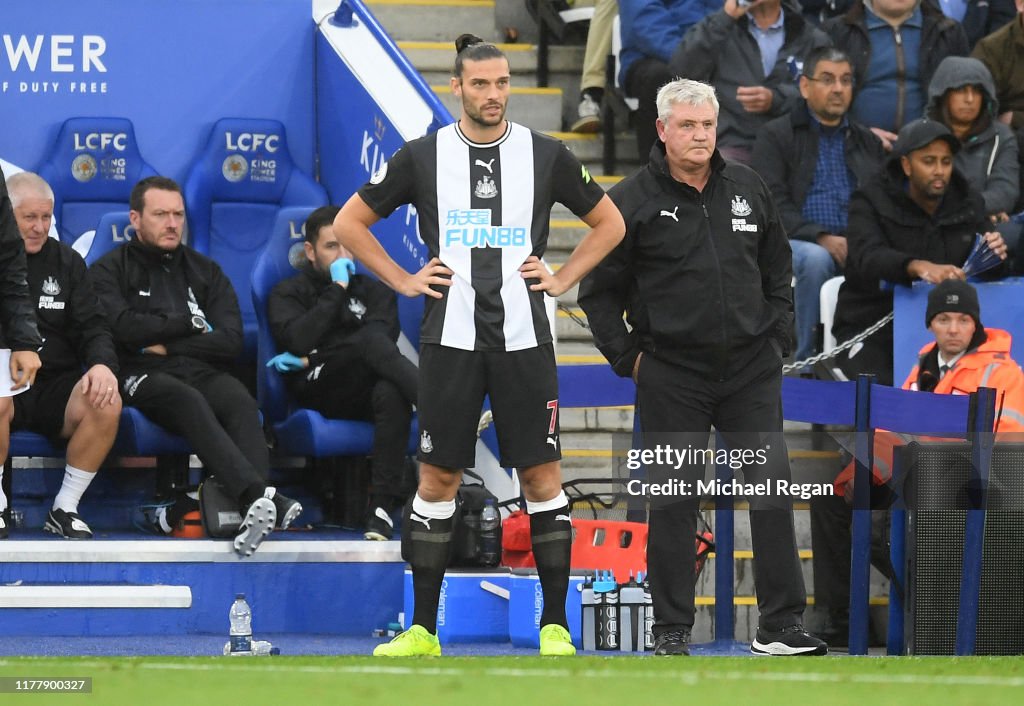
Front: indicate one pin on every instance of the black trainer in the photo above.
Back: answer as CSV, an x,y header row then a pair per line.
x,y
68,525
287,510
3,527
673,642
788,641
379,525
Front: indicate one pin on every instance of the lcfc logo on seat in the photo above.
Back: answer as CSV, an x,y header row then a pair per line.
x,y
252,142
235,168
101,141
83,168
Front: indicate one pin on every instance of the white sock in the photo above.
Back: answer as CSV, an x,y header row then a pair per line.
x,y
75,483
161,519
555,503
3,498
433,511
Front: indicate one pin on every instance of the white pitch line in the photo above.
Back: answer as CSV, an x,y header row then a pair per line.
x,y
687,677
684,676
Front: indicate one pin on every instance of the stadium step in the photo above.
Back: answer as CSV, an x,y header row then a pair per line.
x,y
437,59
436,20
174,587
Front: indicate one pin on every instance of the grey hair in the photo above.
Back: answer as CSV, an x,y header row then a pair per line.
x,y
683,90
25,185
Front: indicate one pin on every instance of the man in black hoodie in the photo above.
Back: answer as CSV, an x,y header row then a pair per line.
x,y
338,331
918,221
703,276
176,322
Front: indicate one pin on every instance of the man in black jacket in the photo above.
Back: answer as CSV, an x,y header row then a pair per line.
x,y
176,322
703,276
918,221
751,54
18,331
812,159
339,331
64,403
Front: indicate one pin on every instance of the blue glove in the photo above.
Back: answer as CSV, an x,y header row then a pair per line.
x,y
342,269
286,363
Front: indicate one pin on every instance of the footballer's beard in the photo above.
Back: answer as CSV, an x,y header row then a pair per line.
x,y
476,114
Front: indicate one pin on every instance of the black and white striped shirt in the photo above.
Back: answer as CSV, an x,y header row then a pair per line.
x,y
483,209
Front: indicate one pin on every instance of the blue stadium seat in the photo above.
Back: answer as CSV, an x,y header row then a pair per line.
x,y
27,443
92,168
113,230
233,193
299,431
136,436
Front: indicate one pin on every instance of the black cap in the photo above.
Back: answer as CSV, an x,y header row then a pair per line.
x,y
953,295
921,133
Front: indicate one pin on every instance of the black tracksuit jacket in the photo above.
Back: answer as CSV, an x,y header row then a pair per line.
x,y
703,277
144,291
311,316
17,323
69,315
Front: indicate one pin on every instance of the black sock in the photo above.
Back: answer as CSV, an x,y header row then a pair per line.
x,y
551,535
596,93
183,505
427,547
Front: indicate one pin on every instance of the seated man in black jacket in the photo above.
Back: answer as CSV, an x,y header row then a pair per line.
x,y
812,159
65,403
918,221
339,331
176,323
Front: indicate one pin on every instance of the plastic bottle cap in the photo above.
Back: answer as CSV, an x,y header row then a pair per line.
x,y
239,596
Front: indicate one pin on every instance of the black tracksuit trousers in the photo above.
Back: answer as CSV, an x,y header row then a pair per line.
x,y
214,412
378,387
679,408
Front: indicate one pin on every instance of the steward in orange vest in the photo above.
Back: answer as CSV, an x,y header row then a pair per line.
x,y
964,356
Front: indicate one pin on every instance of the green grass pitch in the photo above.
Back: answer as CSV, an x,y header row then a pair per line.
x,y
526,681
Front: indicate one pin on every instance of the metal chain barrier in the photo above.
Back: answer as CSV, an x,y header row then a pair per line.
x,y
845,345
807,362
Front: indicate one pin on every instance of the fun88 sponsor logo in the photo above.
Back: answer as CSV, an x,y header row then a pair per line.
x,y
472,228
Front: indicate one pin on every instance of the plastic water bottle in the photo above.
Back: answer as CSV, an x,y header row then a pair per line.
x,y
259,647
241,625
490,522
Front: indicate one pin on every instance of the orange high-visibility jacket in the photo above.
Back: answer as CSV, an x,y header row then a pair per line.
x,y
989,365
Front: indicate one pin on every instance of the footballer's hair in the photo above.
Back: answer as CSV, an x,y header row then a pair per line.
x,y
829,54
469,47
137,199
683,90
25,185
318,219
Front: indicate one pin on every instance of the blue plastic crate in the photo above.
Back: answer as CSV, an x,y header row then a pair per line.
x,y
473,606
526,603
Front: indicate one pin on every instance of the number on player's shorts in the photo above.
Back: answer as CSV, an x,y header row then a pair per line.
x,y
553,406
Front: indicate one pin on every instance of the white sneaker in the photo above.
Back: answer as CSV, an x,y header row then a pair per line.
x,y
589,116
